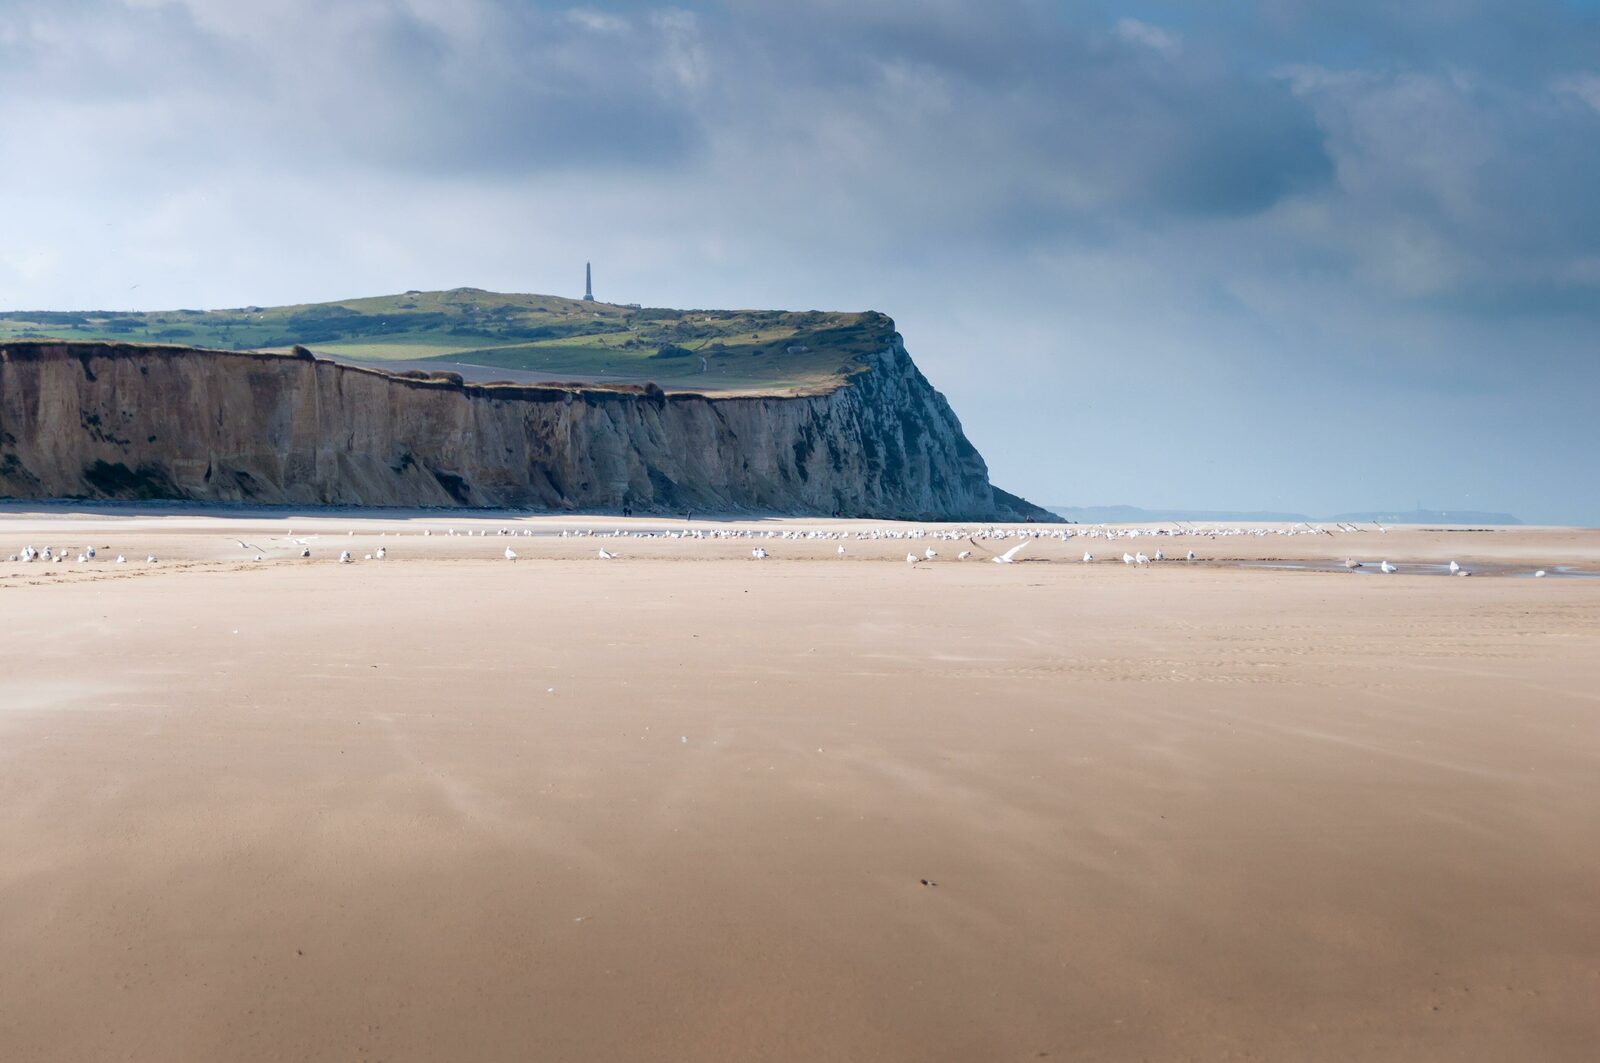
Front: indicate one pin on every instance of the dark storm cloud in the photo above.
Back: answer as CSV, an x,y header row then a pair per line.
x,y
1096,120
469,88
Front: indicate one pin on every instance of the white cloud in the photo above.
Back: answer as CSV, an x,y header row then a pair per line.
x,y
1585,87
1164,41
597,21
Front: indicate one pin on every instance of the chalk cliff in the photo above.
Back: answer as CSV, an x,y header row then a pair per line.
x,y
112,421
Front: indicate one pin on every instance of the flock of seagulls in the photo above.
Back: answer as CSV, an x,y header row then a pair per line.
x,y
52,556
981,539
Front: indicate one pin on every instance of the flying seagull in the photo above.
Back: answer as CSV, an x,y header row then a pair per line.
x,y
1011,555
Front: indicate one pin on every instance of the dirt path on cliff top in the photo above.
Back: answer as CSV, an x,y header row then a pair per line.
x,y
683,806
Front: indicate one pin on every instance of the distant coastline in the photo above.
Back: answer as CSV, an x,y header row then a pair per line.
x,y
1136,515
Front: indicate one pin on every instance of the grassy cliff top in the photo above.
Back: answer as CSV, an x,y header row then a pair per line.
x,y
523,338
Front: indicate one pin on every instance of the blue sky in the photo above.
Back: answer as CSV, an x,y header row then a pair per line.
x,y
1272,254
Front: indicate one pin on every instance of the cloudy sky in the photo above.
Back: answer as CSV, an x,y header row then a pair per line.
x,y
1275,254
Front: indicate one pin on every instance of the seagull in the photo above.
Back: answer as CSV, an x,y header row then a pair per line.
x,y
606,555
121,560
1087,557
912,559
150,560
1011,555
1127,558
1454,567
841,551
368,557
1140,559
963,555
929,554
260,558
383,552
1539,574
344,557
1160,556
246,546
305,552
758,553
1386,567
89,550
1191,555
1352,564
511,555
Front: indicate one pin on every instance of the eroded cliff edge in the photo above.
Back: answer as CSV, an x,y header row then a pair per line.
x,y
109,421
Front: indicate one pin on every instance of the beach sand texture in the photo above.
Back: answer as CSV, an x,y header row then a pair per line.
x,y
684,805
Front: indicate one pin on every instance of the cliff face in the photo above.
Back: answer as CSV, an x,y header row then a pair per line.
x,y
128,422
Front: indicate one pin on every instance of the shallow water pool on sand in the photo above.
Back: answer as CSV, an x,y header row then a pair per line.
x,y
1370,568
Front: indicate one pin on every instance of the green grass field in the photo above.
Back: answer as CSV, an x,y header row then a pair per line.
x,y
559,339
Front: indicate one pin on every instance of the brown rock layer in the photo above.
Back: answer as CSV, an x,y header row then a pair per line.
x,y
106,421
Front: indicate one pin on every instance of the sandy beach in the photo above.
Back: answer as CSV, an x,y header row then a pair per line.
x,y
684,805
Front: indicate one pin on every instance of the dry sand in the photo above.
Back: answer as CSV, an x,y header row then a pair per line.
x,y
680,806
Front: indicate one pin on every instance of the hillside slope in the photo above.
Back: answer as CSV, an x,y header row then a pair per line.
x,y
532,337
109,421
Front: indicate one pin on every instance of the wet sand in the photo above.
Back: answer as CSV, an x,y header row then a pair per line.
x,y
683,805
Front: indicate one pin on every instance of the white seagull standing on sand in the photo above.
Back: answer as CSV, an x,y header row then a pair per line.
x,y
758,553
1087,557
1386,567
1011,555
1351,563
1454,567
383,552
841,551
511,555
929,554
912,559
1191,555
606,555
344,557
